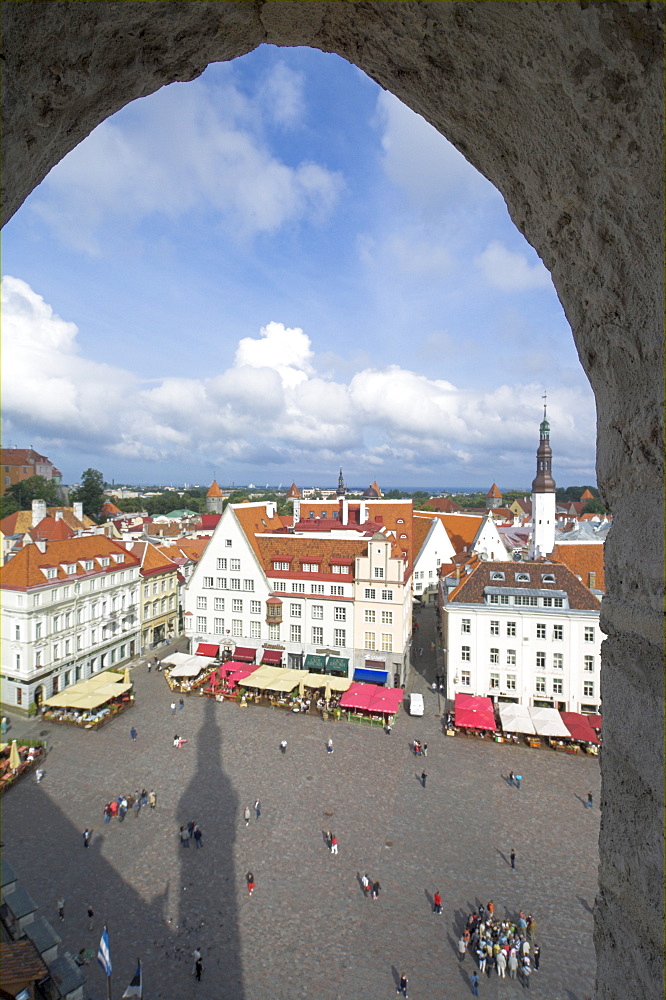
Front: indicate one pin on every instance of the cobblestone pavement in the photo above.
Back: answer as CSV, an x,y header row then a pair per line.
x,y
307,931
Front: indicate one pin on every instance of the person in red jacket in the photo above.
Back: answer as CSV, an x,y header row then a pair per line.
x,y
437,903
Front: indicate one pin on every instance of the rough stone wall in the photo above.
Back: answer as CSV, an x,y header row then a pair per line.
x,y
560,105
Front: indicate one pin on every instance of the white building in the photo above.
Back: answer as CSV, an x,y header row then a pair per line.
x,y
69,609
523,632
433,549
333,579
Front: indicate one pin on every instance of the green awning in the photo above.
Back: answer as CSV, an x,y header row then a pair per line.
x,y
314,662
337,665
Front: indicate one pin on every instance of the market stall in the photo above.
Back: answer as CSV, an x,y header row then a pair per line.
x,y
548,724
581,731
92,702
515,721
475,714
18,758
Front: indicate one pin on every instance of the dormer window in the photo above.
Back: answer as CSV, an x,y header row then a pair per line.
x,y
104,561
70,569
400,520
88,564
119,557
548,578
51,572
280,566
310,567
522,577
496,575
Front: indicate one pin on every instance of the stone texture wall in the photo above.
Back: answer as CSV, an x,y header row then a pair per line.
x,y
560,105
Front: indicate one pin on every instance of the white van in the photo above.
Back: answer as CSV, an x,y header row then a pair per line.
x,y
415,703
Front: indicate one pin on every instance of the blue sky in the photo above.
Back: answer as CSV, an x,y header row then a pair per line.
x,y
273,271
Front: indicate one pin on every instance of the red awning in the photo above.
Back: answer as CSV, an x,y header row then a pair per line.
x,y
474,712
387,701
595,721
245,653
579,727
207,649
273,657
358,696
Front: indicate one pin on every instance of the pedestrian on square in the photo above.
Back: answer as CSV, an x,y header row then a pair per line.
x,y
152,799
526,972
475,984
424,775
511,779
61,907
91,915
283,746
590,802
425,749
437,903
366,883
190,828
249,878
257,808
156,662
491,909
133,733
184,837
149,666
375,889
462,949
329,746
500,962
196,957
246,815
198,969
136,806
512,964
107,812
181,704
402,988
173,708
87,834
518,779
513,859
198,836
144,797
420,650
536,955
334,844
531,928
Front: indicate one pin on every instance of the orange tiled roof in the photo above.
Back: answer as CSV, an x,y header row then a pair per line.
x,y
17,523
322,550
293,493
582,559
461,528
470,590
153,559
587,495
214,490
25,569
384,515
71,519
422,527
21,963
21,456
109,507
445,505
51,530
493,491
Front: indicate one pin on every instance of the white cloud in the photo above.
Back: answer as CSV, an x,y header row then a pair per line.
x,y
282,94
272,407
509,271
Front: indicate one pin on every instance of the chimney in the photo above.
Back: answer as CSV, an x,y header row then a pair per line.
x,y
58,515
40,542
38,512
344,510
78,510
592,581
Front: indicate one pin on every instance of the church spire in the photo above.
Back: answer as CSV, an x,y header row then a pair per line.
x,y
342,489
544,482
542,541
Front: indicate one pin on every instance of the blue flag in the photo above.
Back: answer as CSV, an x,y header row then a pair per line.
x,y
135,987
103,953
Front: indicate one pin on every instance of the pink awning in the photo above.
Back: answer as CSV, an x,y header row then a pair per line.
x,y
595,721
372,698
579,727
387,700
474,712
358,696
207,649
273,657
245,653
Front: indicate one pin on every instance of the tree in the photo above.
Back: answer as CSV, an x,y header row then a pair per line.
x,y
91,493
594,507
32,488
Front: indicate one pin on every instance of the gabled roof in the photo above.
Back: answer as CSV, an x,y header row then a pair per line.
x,y
26,568
422,528
445,505
51,530
322,550
582,560
494,491
17,523
68,515
293,493
462,529
153,559
587,495
109,508
471,588
21,456
214,490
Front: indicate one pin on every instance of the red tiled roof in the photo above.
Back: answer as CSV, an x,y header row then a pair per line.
x,y
445,505
583,559
461,528
21,962
25,568
587,495
17,523
214,490
470,590
21,456
51,530
493,491
153,560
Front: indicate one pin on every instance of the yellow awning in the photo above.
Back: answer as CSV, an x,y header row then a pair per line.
x,y
91,693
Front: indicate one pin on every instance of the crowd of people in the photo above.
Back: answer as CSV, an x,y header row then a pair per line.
x,y
118,808
190,831
505,946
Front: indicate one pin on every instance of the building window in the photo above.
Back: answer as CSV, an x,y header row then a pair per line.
x,y
295,610
17,632
201,603
558,661
317,636
274,633
466,678
221,583
255,630
340,614
56,651
466,625
207,581
294,633
558,632
387,595
371,617
497,576
588,663
588,689
337,591
248,584
541,631
219,626
221,564
227,542
540,685
589,633
280,567
511,682
317,610
19,696
378,573
237,606
387,642
387,617
511,657
234,565
526,600
279,585
219,604
255,607
236,626
494,655
202,624
511,628
369,640
541,661
234,583
339,569
310,567
494,628
298,588
494,681
466,654
370,593
155,586
317,588
557,685
339,637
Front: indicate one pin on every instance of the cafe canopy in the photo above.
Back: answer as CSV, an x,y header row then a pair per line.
x,y
208,649
176,658
372,698
579,727
516,719
337,665
244,653
314,661
331,681
91,693
548,722
474,712
192,666
272,657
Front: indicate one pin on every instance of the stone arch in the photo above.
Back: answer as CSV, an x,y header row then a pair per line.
x,y
560,104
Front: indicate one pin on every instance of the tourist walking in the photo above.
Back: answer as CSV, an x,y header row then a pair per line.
x,y
181,704
133,733
518,779
136,806
513,859
424,775
249,878
511,779
462,949
61,907
198,836
184,837
196,957
500,962
257,808
283,746
246,815
87,834
425,749
404,983
589,803
512,964
437,903
91,916
365,882
375,889
475,984
152,799
536,955
334,844
329,746
198,969
173,708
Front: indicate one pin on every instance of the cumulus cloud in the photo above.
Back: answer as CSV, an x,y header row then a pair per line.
x,y
282,94
509,271
187,149
272,407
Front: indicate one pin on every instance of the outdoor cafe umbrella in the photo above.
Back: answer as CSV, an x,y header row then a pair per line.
x,y
127,676
327,692
301,688
14,758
